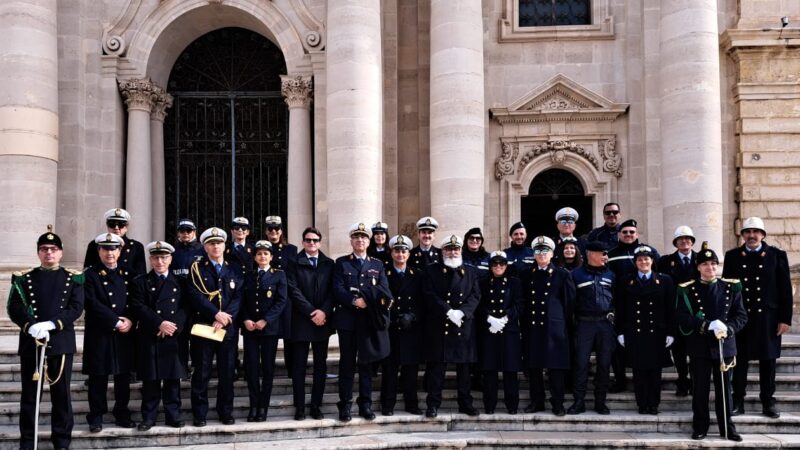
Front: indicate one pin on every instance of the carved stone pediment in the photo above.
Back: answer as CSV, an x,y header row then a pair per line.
x,y
601,154
559,99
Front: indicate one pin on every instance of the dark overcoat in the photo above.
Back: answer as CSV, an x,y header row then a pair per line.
x,y
547,309
445,289
500,297
131,257
310,288
407,331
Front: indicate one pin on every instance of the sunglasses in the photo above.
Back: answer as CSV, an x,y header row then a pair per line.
x,y
566,222
311,240
610,213
628,232
541,251
49,249
239,228
112,224
474,238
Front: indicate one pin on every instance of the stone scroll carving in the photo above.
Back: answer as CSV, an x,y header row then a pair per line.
x,y
612,161
505,162
558,151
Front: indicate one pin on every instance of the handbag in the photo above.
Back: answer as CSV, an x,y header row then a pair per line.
x,y
208,332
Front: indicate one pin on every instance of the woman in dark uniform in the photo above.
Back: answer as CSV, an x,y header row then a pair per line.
x,y
567,254
378,246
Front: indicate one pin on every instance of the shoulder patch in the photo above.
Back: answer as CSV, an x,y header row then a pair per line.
x,y
686,284
732,280
736,285
22,273
77,276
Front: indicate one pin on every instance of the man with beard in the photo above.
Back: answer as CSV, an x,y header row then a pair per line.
x,y
108,341
131,256
361,318
620,261
425,254
607,232
474,254
520,256
764,272
187,248
452,295
681,266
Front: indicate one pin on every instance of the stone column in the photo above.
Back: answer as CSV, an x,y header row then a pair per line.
x,y
138,95
457,115
354,117
161,102
28,130
691,146
297,92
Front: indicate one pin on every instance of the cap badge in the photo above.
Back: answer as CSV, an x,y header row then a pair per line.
x,y
453,239
428,221
401,240
108,237
361,227
118,212
50,236
708,254
214,232
541,240
158,244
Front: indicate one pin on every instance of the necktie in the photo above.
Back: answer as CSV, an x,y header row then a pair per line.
x,y
163,277
359,262
643,278
218,268
686,261
401,274
239,247
313,261
261,273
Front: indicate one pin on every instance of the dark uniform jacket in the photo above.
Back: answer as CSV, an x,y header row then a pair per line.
x,y
385,255
371,324
519,258
184,255
604,234
153,301
240,259
40,295
699,304
131,257
106,351
208,293
673,266
420,259
645,315
500,297
310,289
595,291
621,262
478,260
407,331
548,304
445,289
282,255
265,297
767,296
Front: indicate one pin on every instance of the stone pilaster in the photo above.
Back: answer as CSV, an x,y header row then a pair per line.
x,y
298,91
458,115
161,102
354,117
139,98
691,136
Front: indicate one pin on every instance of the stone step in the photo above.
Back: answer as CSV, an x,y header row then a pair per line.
x,y
458,431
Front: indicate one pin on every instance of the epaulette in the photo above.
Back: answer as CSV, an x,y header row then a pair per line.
x,y
735,283
22,273
686,284
198,258
77,276
732,280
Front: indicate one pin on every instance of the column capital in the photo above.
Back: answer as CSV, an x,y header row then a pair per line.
x,y
161,102
297,90
138,93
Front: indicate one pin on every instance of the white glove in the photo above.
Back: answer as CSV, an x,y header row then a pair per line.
x,y
453,316
670,340
43,334
621,340
719,328
37,328
503,321
493,329
459,314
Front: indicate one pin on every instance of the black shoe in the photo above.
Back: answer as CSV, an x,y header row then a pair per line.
x,y
642,410
734,436
431,412
387,412
468,410
228,420
616,388
771,412
125,423
345,415
681,392
512,411
261,416
414,410
176,424
316,414
251,416
300,414
95,428
559,411
144,426
738,408
199,422
697,435
534,407
652,410
577,408
366,412
489,410
602,409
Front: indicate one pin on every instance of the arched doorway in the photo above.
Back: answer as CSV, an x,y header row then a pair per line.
x,y
226,137
550,191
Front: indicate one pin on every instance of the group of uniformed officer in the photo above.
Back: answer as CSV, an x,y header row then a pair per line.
x,y
528,308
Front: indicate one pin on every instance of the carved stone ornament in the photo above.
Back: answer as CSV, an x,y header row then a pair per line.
x,y
558,151
505,162
297,90
138,93
612,161
161,102
114,45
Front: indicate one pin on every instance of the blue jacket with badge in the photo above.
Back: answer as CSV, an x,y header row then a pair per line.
x,y
106,351
520,257
209,293
595,291
265,297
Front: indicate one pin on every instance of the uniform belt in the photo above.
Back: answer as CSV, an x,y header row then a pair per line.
x,y
593,318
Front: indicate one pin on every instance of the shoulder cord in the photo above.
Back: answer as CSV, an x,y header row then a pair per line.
x,y
47,378
197,280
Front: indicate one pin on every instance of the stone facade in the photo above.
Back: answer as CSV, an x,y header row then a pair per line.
x,y
684,113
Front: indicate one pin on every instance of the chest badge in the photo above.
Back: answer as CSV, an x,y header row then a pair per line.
x,y
233,284
269,294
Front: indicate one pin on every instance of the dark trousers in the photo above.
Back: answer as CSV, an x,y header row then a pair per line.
x,y
288,356
61,421
701,386
510,390
766,378
679,357
156,391
259,363
618,365
348,348
203,353
98,405
555,378
600,336
390,381
436,372
647,387
320,372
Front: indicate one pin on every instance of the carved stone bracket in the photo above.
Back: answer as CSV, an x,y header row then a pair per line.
x,y
505,162
558,151
297,90
612,161
161,102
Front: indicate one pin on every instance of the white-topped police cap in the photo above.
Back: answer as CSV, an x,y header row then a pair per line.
x,y
427,223
117,214
452,241
643,250
543,242
186,224
109,240
359,228
400,241
263,245
214,234
753,223
240,222
159,248
274,221
567,213
682,231
380,227
498,256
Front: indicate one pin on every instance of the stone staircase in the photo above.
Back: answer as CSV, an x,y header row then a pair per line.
x,y
623,428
